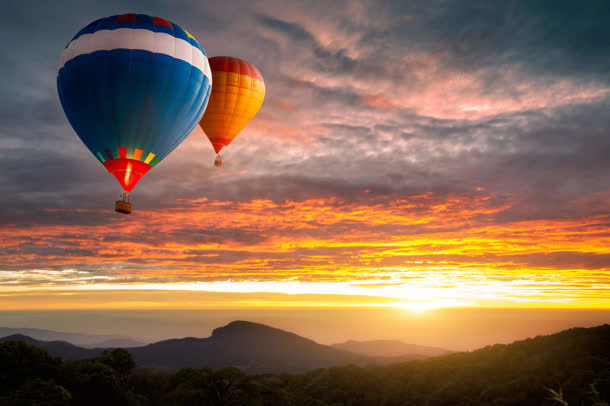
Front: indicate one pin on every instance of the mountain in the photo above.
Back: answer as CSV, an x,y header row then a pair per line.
x,y
390,348
253,348
80,339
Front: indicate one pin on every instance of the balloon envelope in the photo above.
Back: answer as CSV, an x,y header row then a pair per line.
x,y
237,95
133,87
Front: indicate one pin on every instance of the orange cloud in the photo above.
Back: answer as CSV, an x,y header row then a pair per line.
x,y
450,247
377,101
286,105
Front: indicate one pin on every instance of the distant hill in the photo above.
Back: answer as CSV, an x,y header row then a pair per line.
x,y
61,349
116,343
390,348
80,339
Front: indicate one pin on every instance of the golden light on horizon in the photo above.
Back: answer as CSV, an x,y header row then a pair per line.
x,y
415,296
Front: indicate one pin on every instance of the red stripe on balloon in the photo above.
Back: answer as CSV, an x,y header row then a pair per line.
x,y
234,65
160,21
127,17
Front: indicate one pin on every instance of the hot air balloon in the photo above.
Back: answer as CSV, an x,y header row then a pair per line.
x,y
237,95
133,88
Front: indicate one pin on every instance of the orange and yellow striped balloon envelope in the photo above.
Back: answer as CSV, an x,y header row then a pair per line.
x,y
238,91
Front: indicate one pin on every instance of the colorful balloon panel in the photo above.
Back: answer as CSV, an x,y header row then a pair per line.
x,y
133,88
237,95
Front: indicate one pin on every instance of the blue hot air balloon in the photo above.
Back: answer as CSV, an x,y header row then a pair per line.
x,y
133,88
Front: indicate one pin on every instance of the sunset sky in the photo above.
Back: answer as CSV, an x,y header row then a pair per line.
x,y
416,155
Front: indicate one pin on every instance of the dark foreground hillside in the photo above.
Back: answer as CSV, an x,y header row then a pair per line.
x,y
574,364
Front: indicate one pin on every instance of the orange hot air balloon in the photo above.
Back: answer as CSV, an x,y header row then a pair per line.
x,y
238,92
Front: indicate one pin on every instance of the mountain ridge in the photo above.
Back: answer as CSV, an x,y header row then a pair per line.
x,y
390,348
80,339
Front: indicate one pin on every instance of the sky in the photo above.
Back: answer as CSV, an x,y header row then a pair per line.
x,y
409,155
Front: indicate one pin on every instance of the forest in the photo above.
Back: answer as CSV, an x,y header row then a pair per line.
x,y
567,368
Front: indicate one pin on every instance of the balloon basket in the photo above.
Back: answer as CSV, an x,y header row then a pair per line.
x,y
218,161
124,204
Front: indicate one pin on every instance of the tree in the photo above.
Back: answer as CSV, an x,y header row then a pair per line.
x,y
39,392
20,363
120,360
94,383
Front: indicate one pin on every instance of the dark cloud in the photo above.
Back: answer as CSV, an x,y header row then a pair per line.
x,y
547,37
294,31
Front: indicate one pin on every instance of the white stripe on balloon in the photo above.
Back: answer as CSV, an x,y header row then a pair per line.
x,y
138,38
